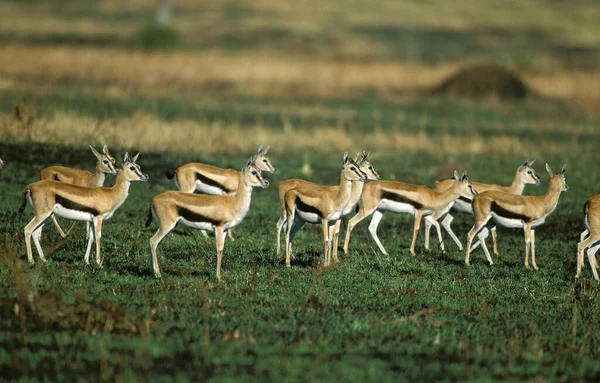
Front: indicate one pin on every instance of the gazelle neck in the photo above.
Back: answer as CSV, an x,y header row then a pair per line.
x,y
244,193
345,190
450,194
550,199
517,185
99,176
355,192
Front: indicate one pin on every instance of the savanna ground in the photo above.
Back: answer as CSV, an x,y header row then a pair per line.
x,y
312,79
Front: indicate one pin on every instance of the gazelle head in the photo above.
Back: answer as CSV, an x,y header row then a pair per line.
x,y
253,176
106,162
527,175
351,170
362,159
558,179
131,170
466,188
262,162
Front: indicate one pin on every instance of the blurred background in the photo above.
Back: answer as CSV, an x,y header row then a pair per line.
x,y
224,76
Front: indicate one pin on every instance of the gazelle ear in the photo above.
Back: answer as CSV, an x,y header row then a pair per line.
x,y
564,168
356,157
259,150
366,155
549,170
345,158
530,162
266,150
456,177
105,150
463,177
126,157
249,163
136,157
95,152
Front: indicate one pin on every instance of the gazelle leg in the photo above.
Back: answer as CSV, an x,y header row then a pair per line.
x,y
474,230
326,241
377,215
32,226
533,250
591,252
60,230
362,214
230,235
163,230
495,239
220,235
478,243
417,225
98,235
590,241
280,223
583,235
428,224
288,243
90,237
429,220
446,224
336,237
37,235
527,231
483,234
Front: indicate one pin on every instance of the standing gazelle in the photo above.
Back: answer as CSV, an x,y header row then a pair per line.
x,y
105,164
590,238
206,212
523,176
78,203
212,180
516,211
362,159
399,197
322,204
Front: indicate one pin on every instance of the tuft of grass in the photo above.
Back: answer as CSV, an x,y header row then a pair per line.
x,y
153,36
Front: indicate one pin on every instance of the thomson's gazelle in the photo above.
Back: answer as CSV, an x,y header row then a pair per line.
x,y
105,164
515,211
322,204
590,238
362,159
399,197
78,203
207,179
206,212
524,175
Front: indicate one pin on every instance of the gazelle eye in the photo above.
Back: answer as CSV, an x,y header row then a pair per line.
x,y
254,172
132,168
529,172
370,168
353,168
105,161
265,161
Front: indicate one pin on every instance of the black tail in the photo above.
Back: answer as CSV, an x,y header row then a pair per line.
x,y
586,208
170,173
149,220
23,201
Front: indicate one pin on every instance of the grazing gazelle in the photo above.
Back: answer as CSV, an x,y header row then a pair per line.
x,y
105,164
207,179
78,203
590,238
322,204
399,197
515,211
523,176
362,159
206,212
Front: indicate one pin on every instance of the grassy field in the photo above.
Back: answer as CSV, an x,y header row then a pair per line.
x,y
312,80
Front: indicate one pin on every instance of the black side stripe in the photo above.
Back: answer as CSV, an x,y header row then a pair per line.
x,y
191,216
465,199
400,198
302,206
211,182
502,212
68,204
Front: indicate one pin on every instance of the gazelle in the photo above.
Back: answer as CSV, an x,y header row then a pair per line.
x,y
362,159
206,212
322,204
399,197
515,211
523,176
105,164
590,238
212,180
78,203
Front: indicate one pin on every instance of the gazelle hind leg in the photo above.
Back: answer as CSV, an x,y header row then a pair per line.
x,y
429,220
162,231
527,232
60,230
91,236
474,230
483,235
278,227
446,224
428,224
28,231
416,226
220,236
591,252
362,214
495,239
37,235
377,215
589,242
98,238
533,250
336,237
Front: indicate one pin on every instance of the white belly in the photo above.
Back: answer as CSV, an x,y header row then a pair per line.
x,y
308,217
462,206
208,189
197,225
74,215
335,216
511,223
396,207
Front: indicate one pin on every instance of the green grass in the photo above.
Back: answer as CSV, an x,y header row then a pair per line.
x,y
370,317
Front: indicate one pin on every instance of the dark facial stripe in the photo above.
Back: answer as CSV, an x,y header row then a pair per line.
x,y
68,204
502,212
306,208
465,199
191,216
211,182
390,196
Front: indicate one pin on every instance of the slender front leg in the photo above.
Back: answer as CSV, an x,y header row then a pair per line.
x,y
336,237
583,235
428,224
533,249
37,235
430,220
29,229
592,259
377,215
280,223
60,230
417,225
527,230
163,230
288,244
220,236
90,237
446,224
362,214
483,234
327,241
581,246
495,239
98,235
474,230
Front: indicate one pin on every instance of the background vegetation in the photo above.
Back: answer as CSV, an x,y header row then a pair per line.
x,y
312,79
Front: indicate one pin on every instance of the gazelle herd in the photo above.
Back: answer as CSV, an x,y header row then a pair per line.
x,y
226,195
